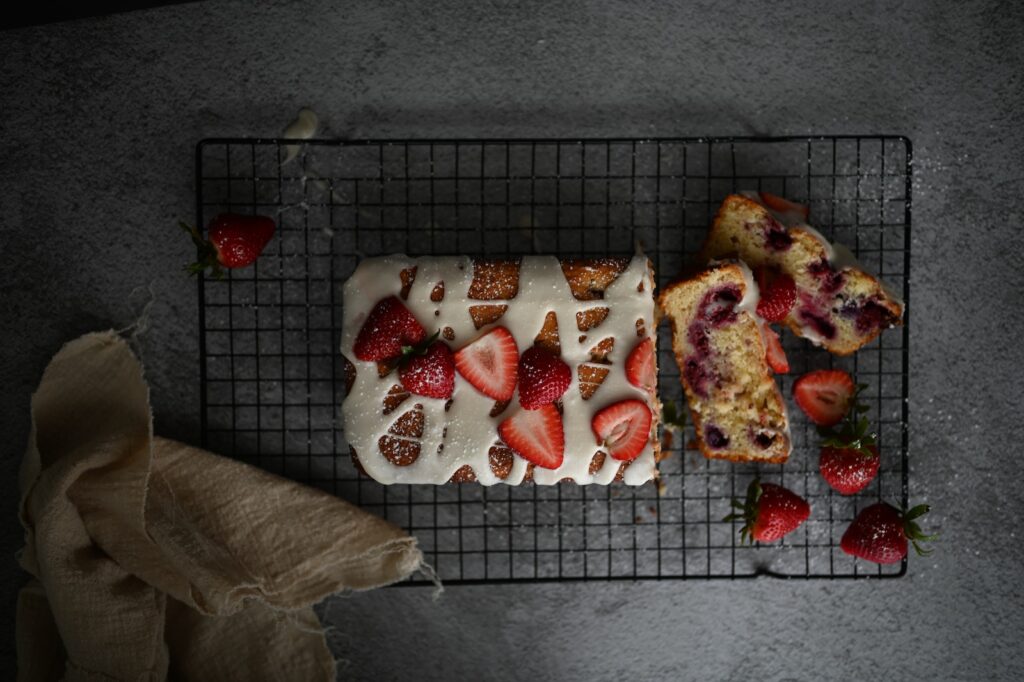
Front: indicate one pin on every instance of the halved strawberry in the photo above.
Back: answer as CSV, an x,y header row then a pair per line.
x,y
640,366
825,395
623,428
491,364
388,328
785,206
777,299
774,354
536,435
543,378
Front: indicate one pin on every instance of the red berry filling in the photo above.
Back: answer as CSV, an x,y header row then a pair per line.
x,y
829,279
715,437
716,309
718,306
777,239
871,316
821,325
698,374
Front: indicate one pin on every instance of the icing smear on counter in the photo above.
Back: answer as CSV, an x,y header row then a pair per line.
x,y
302,128
466,430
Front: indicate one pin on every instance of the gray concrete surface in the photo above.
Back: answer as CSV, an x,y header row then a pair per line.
x,y
98,120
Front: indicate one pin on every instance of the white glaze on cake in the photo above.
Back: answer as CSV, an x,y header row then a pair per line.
x,y
467,430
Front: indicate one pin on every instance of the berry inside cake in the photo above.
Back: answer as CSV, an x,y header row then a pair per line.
x,y
501,371
738,412
838,305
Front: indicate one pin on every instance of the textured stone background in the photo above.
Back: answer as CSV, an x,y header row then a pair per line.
x,y
98,120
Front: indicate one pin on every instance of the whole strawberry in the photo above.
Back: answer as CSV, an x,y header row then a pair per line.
x,y
543,378
849,456
770,512
233,241
387,331
880,533
430,372
848,471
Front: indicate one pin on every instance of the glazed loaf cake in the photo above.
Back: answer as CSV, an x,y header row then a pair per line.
x,y
738,412
577,324
839,306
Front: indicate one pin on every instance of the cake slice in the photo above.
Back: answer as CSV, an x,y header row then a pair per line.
x,y
738,412
838,305
501,371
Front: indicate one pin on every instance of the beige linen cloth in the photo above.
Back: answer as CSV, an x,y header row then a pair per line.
x,y
155,560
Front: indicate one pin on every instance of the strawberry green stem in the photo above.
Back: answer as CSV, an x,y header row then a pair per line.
x,y
206,254
748,510
914,532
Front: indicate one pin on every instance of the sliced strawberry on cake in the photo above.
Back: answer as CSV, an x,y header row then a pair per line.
x,y
642,367
623,429
536,435
491,364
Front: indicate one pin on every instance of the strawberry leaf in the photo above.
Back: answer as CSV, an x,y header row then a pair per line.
x,y
748,511
206,254
916,512
420,348
913,531
671,417
854,432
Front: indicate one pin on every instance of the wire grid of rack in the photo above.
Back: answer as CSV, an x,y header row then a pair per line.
x,y
271,371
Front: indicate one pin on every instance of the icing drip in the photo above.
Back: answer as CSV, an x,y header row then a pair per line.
x,y
466,429
302,128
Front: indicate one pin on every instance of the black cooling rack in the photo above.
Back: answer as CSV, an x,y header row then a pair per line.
x,y
271,372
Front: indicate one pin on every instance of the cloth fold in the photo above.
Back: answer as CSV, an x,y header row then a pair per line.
x,y
154,559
